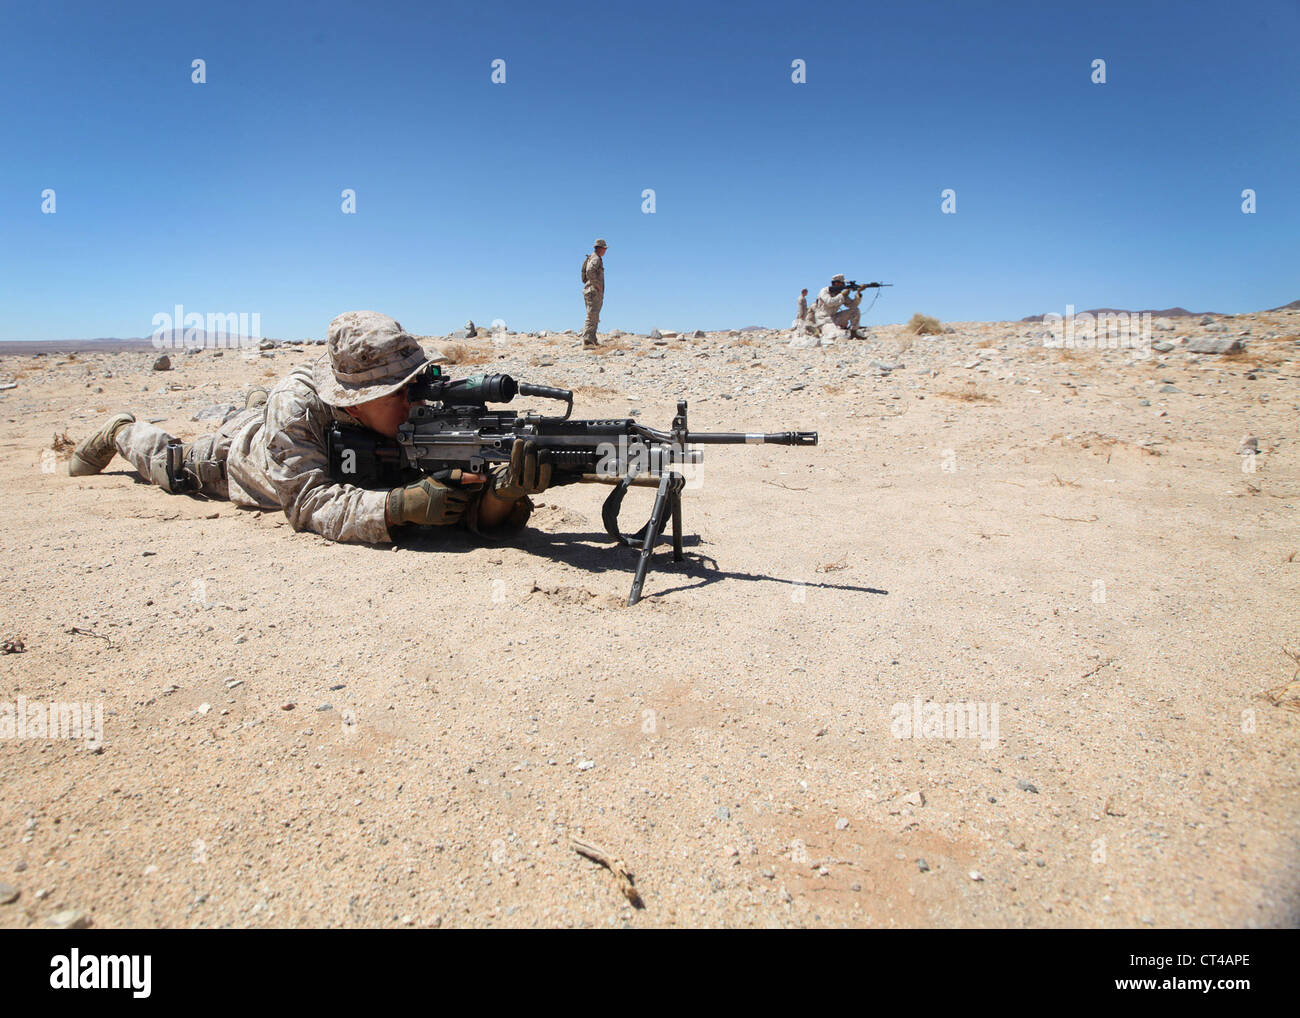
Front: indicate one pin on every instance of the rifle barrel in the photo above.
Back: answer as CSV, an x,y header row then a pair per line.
x,y
751,438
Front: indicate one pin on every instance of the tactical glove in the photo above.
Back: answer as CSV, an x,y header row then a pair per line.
x,y
529,473
428,502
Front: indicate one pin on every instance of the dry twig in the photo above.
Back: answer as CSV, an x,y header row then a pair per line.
x,y
616,866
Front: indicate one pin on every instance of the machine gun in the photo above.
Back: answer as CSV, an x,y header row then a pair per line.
x,y
451,428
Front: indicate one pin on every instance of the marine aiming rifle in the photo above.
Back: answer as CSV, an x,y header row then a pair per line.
x,y
451,428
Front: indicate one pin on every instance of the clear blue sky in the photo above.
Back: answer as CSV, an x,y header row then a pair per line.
x,y
480,200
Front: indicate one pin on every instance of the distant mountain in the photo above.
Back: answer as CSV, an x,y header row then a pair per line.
x,y
1166,313
114,344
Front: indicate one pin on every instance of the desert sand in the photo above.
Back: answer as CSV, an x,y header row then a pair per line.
x,y
299,733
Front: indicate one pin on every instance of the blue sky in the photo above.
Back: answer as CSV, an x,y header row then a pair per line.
x,y
478,200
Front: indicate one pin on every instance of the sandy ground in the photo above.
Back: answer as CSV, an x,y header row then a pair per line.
x,y
297,733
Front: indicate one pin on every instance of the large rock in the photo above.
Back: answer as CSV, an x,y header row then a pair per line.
x,y
216,412
1207,345
805,341
163,363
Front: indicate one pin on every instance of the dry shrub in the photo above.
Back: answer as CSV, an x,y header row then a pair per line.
x,y
1264,353
596,391
832,389
924,325
610,345
62,443
969,395
462,353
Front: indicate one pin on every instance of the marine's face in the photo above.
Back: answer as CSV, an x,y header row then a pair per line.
x,y
385,414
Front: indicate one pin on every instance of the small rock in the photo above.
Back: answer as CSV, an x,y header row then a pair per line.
x,y
1026,786
163,363
1170,388
723,813
922,865
1207,320
1249,446
842,824
730,852
1161,346
8,894
656,334
586,765
976,875
699,334
68,919
1144,402
288,706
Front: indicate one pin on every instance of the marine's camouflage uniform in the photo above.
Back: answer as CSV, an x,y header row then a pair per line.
x,y
593,292
274,457
827,309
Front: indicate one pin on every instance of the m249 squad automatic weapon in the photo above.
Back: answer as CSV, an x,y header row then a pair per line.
x,y
451,428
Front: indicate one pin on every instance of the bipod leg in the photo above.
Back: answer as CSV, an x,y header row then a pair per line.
x,y
677,523
652,530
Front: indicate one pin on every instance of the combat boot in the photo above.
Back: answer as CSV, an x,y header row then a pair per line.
x,y
97,451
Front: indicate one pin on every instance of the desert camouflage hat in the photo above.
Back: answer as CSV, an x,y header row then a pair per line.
x,y
599,243
369,356
838,277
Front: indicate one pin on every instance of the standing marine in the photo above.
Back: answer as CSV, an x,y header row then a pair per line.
x,y
593,291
